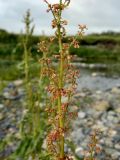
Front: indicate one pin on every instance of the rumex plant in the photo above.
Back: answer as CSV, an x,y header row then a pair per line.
x,y
62,81
93,147
26,43
32,124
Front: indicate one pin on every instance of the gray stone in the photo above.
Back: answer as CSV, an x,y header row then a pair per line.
x,y
117,146
81,94
115,90
110,151
94,74
79,151
116,155
117,110
1,116
109,143
116,139
101,105
18,83
99,92
1,106
81,115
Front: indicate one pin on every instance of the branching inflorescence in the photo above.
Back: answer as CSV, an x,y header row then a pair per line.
x,y
93,147
62,81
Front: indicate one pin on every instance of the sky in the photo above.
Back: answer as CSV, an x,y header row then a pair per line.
x,y
98,15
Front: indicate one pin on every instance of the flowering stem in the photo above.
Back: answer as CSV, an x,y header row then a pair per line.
x,y
65,76
61,70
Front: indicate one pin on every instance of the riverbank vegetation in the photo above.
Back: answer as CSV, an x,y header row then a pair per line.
x,y
46,87
100,47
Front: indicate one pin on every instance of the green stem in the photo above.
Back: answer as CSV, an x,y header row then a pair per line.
x,y
26,54
61,71
26,64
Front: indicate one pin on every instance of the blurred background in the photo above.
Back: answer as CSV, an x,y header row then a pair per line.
x,y
98,60
101,42
100,16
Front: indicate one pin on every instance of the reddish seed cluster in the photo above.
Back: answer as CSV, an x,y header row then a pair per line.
x,y
56,7
56,10
42,46
62,81
70,75
53,137
93,147
54,23
82,29
66,158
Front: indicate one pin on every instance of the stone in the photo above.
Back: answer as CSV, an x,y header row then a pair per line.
x,y
99,92
100,126
101,105
109,143
1,106
117,146
1,116
110,151
115,90
18,83
112,132
116,155
6,95
116,139
94,74
81,115
110,118
81,94
117,110
11,86
11,130
91,66
79,151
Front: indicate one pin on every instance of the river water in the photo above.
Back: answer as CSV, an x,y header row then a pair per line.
x,y
96,80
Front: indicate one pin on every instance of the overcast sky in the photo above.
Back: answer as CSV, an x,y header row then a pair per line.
x,y
98,15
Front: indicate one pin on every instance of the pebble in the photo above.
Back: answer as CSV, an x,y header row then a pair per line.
x,y
94,74
79,152
102,116
1,116
11,92
115,90
118,110
1,106
116,155
99,92
103,113
101,105
81,115
18,83
117,146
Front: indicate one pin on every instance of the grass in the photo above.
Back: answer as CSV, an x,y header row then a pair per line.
x,y
100,47
98,53
9,71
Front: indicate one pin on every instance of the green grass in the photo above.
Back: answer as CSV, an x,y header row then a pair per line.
x,y
97,46
12,70
9,71
96,53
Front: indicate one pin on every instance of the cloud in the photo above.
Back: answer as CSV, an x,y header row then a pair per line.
x,y
99,15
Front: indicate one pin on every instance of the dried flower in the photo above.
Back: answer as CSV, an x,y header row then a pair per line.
x,y
93,146
62,83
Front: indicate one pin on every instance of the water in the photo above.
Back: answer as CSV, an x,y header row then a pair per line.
x,y
98,82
